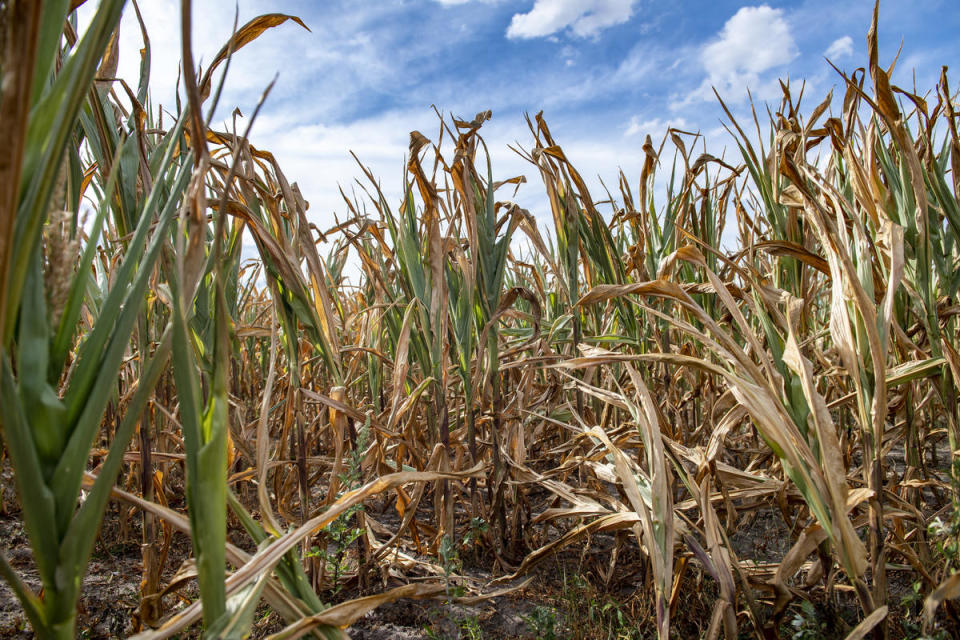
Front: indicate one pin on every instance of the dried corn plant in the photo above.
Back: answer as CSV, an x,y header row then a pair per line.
x,y
621,377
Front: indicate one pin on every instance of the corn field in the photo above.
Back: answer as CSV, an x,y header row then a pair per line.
x,y
337,423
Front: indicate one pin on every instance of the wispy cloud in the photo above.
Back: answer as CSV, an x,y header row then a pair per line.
x,y
840,48
583,18
653,127
251,69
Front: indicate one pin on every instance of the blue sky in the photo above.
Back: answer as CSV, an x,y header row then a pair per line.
x,y
605,72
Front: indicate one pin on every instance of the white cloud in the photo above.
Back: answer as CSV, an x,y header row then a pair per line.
x,y
655,127
583,17
754,40
841,47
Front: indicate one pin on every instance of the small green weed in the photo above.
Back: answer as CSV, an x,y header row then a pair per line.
x,y
448,624
453,627
583,614
342,533
807,624
543,623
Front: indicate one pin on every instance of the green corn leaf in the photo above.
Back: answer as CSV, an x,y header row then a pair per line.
x,y
78,542
290,569
90,407
48,44
63,339
39,510
88,358
32,605
43,408
236,620
205,439
51,125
